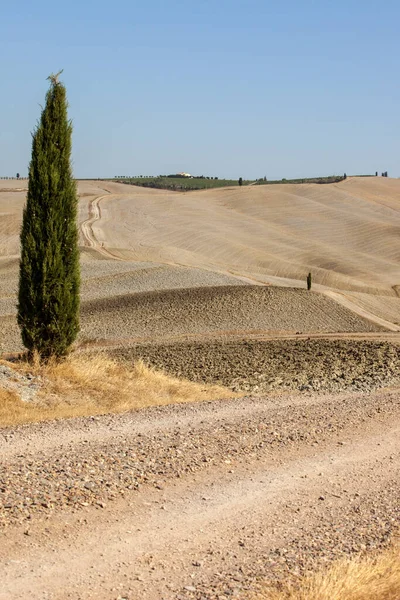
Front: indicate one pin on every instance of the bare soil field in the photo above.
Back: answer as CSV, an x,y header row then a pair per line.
x,y
210,500
217,310
210,310
142,240
255,366
345,233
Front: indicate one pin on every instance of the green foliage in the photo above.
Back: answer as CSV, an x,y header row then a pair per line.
x,y
240,182
328,179
179,184
48,306
309,281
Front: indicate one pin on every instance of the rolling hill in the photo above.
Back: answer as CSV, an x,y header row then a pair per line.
x,y
143,240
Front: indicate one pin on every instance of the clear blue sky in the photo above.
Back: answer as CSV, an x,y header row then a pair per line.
x,y
229,88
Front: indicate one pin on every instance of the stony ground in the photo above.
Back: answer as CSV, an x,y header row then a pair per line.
x,y
159,315
217,310
206,501
263,366
196,501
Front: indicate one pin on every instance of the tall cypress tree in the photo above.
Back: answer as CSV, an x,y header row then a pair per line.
x,y
48,306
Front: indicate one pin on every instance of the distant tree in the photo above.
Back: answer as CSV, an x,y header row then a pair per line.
x,y
344,176
48,301
376,173
240,181
17,175
309,281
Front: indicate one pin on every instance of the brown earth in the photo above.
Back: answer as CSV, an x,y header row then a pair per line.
x,y
163,315
259,366
205,501
140,240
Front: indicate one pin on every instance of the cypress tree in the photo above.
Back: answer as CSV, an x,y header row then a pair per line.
x,y
48,303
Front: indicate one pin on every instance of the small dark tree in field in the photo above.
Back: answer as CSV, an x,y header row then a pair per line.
x,y
344,176
309,282
376,173
240,181
17,175
48,306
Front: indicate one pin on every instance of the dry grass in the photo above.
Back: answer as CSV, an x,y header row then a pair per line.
x,y
368,578
86,384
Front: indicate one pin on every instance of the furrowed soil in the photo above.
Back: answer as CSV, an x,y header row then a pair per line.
x,y
222,310
263,366
136,240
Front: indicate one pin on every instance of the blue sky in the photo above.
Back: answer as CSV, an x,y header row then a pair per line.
x,y
227,88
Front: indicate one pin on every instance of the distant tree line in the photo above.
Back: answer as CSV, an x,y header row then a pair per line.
x,y
327,179
172,176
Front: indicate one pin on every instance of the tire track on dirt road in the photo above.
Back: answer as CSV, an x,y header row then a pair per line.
x,y
230,492
342,299
94,212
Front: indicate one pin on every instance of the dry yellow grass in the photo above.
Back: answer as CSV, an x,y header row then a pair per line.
x,y
96,384
368,578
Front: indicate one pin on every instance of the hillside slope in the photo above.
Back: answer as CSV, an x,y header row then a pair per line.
x,y
142,240
346,234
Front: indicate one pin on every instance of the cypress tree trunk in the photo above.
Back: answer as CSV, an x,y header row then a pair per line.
x,y
48,306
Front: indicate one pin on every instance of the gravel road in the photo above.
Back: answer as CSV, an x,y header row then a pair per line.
x,y
196,501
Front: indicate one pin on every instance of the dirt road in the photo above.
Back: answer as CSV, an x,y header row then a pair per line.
x,y
196,501
342,299
86,227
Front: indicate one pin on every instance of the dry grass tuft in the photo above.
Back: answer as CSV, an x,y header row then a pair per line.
x,y
93,384
368,578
